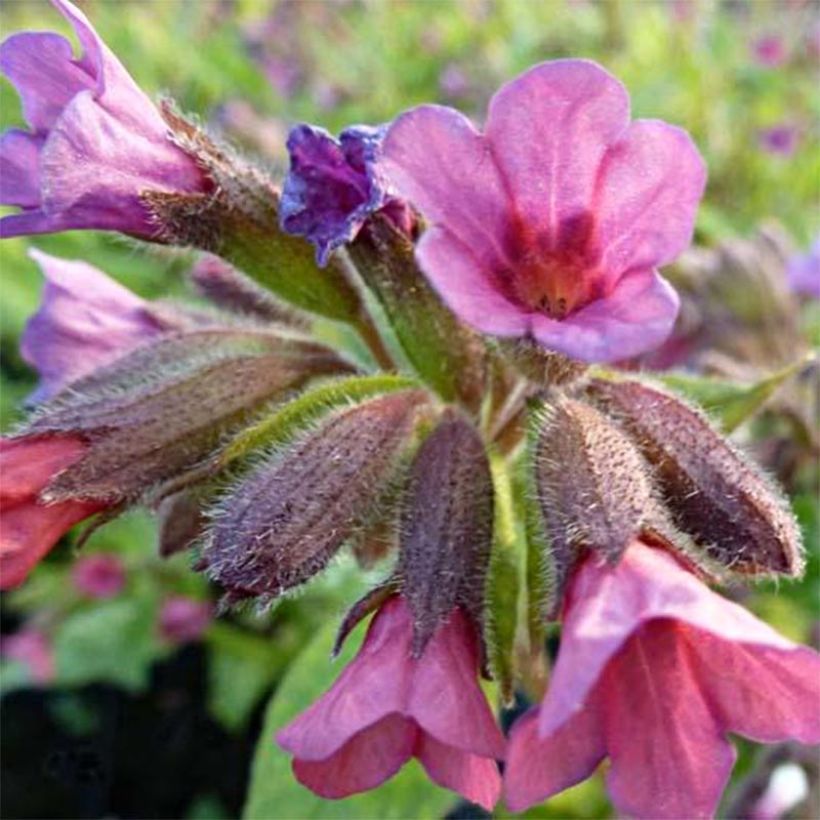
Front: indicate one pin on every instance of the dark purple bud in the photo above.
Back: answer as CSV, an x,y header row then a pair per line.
x,y
592,488
719,497
446,529
333,186
282,523
161,409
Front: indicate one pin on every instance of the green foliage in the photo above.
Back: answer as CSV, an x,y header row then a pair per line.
x,y
274,791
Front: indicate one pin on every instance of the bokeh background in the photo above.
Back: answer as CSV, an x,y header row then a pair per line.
x,y
107,713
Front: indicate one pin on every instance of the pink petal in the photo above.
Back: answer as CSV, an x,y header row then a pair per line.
x,y
765,694
374,685
34,222
645,204
41,67
445,698
669,757
538,768
635,317
20,168
86,320
607,605
474,777
435,158
549,130
364,762
466,286
28,464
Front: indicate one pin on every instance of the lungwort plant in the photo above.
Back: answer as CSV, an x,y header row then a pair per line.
x,y
412,348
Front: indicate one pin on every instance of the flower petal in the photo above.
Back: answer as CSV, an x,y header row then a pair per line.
x,y
20,169
372,686
669,757
41,67
647,196
474,777
445,698
434,157
549,129
28,464
465,286
86,320
637,316
607,605
538,768
364,762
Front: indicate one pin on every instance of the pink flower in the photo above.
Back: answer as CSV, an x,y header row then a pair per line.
x,y
29,529
96,140
387,707
98,576
32,648
769,50
553,221
184,619
85,321
653,671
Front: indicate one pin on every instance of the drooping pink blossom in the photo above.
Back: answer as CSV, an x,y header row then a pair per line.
x,y
29,528
98,576
85,321
387,707
182,619
32,648
552,222
654,670
97,142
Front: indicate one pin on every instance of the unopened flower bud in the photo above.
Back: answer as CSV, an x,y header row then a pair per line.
x,y
715,494
184,619
98,576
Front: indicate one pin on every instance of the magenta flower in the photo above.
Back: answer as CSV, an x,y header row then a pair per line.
x,y
96,141
32,648
98,576
654,671
769,50
86,320
387,707
333,186
779,139
552,222
803,272
184,619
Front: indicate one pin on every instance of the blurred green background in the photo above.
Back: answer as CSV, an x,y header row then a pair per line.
x,y
132,726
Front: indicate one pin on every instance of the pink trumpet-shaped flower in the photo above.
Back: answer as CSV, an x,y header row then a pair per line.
x,y
387,707
552,222
97,142
29,529
85,321
653,672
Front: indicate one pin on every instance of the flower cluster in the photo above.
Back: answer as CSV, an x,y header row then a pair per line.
x,y
504,262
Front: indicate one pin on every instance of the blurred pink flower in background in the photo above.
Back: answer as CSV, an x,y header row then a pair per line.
x,y
803,272
779,139
182,619
98,576
540,226
32,648
387,707
654,670
96,140
769,50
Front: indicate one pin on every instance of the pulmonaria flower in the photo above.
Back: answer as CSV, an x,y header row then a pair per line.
x,y
769,50
333,186
654,670
98,576
32,648
779,139
552,222
387,707
31,528
85,321
97,142
182,619
803,272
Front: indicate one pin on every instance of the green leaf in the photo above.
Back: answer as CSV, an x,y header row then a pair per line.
x,y
280,427
730,403
112,642
274,792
